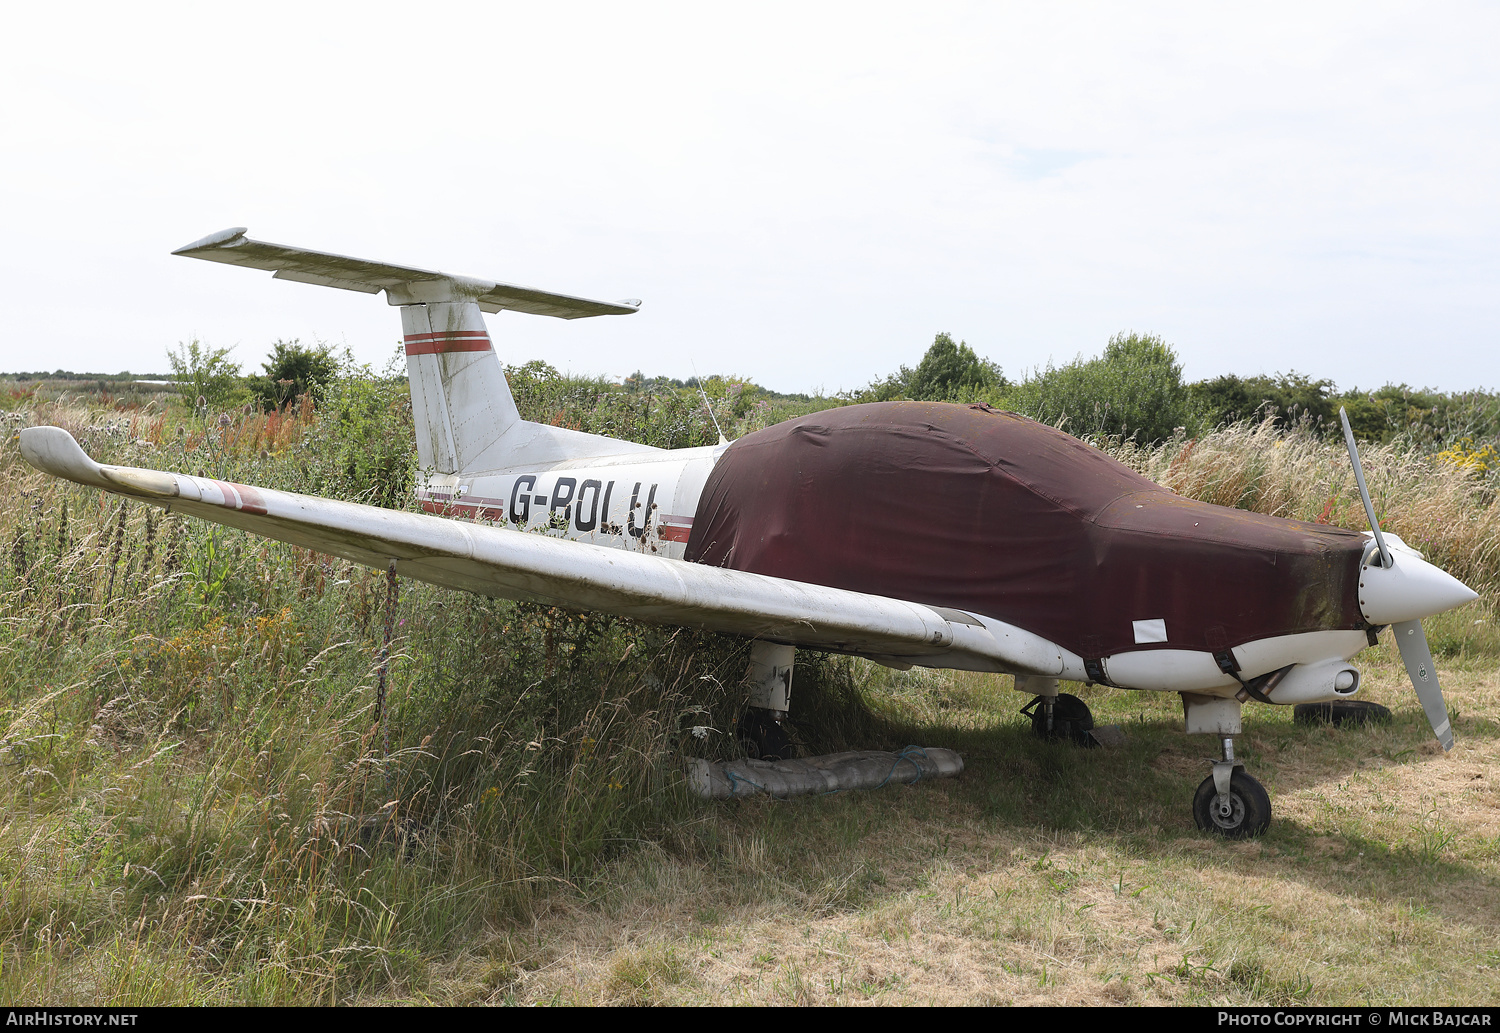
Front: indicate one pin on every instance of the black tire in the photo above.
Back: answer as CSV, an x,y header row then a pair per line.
x,y
1351,712
1071,721
1250,807
763,737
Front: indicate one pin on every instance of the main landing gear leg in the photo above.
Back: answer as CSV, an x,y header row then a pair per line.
x,y
1228,801
1056,715
770,679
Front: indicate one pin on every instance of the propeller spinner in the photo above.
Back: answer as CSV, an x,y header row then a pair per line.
x,y
1399,588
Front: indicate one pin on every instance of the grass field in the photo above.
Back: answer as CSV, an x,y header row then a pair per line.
x,y
1049,876
199,805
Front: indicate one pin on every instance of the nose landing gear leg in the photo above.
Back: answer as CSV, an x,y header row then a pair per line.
x,y
1228,801
1224,803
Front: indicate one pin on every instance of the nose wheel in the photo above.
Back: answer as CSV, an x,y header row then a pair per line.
x,y
1230,802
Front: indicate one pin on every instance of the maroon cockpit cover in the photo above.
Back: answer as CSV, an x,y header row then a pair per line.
x,y
993,513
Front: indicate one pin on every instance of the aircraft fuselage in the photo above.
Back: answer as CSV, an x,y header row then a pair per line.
x,y
647,503
642,502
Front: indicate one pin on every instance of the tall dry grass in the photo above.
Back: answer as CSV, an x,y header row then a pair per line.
x,y
198,805
1446,510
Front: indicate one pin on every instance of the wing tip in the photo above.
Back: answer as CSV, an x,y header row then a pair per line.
x,y
213,240
53,450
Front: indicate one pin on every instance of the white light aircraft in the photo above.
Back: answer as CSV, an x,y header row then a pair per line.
x,y
914,534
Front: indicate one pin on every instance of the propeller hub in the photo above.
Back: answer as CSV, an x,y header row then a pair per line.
x,y
1409,589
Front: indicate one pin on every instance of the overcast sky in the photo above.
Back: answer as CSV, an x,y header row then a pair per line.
x,y
803,194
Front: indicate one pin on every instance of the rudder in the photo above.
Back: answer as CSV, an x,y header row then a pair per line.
x,y
461,404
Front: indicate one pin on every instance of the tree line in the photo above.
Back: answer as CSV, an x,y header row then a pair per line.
x,y
1134,388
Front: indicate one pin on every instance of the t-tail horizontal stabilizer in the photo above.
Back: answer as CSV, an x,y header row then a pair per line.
x,y
403,285
465,418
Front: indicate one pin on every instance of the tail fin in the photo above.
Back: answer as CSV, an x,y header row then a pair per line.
x,y
460,403
465,417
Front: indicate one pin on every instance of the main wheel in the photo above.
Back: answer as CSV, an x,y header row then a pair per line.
x,y
1341,712
1071,720
763,737
1249,807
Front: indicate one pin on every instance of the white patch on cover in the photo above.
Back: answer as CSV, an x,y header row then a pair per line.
x,y
1150,631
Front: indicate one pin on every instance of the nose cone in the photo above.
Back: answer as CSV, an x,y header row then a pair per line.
x,y
1408,590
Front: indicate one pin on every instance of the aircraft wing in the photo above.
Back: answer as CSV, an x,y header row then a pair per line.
x,y
538,568
232,247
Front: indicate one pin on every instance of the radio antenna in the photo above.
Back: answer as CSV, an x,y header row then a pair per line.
x,y
704,395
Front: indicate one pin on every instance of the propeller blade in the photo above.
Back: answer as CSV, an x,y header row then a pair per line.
x,y
1412,642
1364,494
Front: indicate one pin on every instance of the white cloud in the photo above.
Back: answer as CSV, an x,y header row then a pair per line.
x,y
802,193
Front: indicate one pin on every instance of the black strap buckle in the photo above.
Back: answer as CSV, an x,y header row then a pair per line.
x,y
1230,666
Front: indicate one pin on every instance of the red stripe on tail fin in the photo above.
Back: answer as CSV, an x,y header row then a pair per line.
x,y
448,341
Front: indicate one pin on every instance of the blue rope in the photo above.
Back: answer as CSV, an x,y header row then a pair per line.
x,y
908,754
735,779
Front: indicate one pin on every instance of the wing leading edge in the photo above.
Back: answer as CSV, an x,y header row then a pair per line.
x,y
537,568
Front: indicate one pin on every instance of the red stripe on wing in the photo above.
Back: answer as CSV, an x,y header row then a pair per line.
x,y
242,497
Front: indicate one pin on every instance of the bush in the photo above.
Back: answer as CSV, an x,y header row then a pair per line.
x,y
1287,398
1134,389
365,447
952,372
657,412
292,371
206,373
948,372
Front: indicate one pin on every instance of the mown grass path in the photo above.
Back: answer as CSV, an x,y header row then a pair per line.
x,y
1046,875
